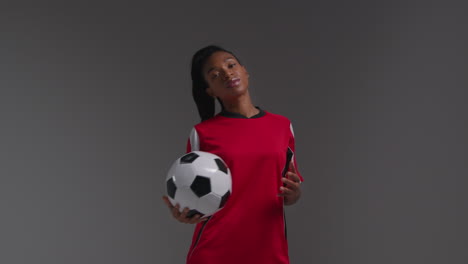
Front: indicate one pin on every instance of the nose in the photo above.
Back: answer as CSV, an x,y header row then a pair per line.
x,y
227,74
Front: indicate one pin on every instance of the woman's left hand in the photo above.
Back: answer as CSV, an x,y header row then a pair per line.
x,y
292,191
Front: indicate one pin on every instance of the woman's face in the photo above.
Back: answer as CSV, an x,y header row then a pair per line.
x,y
226,78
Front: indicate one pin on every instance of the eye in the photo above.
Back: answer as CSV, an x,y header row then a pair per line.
x,y
215,75
231,65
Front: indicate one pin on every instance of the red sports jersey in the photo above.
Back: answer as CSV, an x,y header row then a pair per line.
x,y
251,228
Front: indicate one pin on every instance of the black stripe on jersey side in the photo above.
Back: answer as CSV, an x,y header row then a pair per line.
x,y
237,115
199,234
285,226
289,156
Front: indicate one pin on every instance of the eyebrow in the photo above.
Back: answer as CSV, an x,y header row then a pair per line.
x,y
228,58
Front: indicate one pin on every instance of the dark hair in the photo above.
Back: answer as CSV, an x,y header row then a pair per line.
x,y
204,102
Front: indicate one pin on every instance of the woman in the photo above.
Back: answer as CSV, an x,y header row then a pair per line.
x,y
258,147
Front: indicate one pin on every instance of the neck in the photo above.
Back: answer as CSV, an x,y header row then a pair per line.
x,y
242,105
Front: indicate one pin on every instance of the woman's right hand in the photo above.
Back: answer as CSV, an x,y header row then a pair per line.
x,y
182,216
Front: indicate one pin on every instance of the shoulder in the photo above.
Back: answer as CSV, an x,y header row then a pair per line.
x,y
282,121
278,118
207,124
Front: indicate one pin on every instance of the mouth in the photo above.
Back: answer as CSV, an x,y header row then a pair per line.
x,y
234,82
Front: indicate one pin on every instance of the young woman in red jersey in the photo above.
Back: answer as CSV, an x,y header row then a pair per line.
x,y
258,147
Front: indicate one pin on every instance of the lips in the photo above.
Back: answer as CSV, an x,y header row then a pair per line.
x,y
234,82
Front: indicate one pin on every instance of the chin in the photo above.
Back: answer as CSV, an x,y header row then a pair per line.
x,y
240,90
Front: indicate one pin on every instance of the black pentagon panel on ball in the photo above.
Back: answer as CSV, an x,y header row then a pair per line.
x,y
188,158
193,212
201,186
224,199
171,188
221,166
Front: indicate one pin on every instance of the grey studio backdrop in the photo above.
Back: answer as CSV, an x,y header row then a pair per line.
x,y
95,105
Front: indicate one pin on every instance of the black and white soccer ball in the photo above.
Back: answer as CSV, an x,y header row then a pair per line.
x,y
200,181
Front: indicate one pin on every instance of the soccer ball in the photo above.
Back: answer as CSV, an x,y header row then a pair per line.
x,y
200,181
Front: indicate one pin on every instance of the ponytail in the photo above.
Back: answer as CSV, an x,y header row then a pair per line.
x,y
205,103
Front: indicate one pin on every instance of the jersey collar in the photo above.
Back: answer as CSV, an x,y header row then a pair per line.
x,y
237,115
